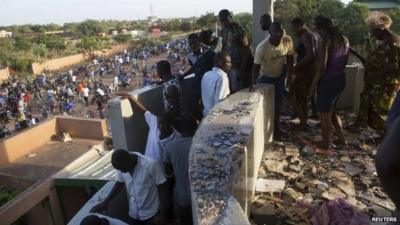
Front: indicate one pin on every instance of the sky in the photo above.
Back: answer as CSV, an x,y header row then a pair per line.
x,y
61,11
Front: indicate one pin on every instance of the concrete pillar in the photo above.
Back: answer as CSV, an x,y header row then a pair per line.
x,y
260,7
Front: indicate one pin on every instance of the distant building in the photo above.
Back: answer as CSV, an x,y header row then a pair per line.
x,y
137,33
379,5
4,33
102,34
114,32
124,30
155,31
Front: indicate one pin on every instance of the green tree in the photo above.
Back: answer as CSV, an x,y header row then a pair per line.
x,y
21,64
330,8
55,43
6,49
185,26
40,51
354,26
122,38
246,21
88,43
395,15
90,28
23,43
208,20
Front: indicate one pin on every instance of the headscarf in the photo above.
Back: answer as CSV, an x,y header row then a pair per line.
x,y
379,20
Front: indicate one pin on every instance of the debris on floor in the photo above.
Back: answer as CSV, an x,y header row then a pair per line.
x,y
300,185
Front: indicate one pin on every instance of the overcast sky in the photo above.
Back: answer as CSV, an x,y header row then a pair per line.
x,y
61,11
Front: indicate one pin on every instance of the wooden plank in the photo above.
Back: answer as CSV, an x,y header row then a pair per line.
x,y
24,202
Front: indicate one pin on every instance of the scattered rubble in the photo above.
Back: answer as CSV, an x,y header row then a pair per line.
x,y
320,186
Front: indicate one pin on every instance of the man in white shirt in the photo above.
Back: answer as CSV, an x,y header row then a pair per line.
x,y
215,83
86,95
116,83
161,132
145,184
98,219
100,92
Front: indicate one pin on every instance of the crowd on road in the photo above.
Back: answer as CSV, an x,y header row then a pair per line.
x,y
82,91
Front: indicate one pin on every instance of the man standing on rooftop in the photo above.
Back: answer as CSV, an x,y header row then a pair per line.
x,y
274,56
234,42
215,83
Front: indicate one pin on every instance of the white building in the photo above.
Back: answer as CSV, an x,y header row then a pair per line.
x,y
137,33
4,33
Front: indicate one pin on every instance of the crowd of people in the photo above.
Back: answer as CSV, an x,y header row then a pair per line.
x,y
24,102
309,72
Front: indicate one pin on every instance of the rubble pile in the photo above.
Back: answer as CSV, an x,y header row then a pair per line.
x,y
299,185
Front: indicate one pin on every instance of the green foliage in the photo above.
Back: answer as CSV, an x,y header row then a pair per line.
x,y
122,38
246,21
40,51
354,26
395,15
52,42
7,195
208,20
21,64
23,43
185,26
330,8
88,43
90,28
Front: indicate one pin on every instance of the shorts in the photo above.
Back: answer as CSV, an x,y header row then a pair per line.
x,y
328,91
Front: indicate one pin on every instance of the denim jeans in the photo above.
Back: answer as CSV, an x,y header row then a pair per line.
x,y
279,84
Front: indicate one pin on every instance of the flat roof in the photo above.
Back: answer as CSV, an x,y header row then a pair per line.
x,y
48,159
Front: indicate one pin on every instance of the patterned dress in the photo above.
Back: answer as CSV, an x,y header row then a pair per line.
x,y
382,79
168,105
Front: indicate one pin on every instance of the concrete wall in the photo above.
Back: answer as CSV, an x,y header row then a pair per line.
x,y
4,74
223,176
60,63
24,142
82,128
350,97
30,139
128,127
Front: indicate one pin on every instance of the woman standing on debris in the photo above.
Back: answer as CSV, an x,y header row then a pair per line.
x,y
333,51
382,74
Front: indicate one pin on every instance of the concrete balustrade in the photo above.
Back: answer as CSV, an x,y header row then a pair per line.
x,y
225,157
349,99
